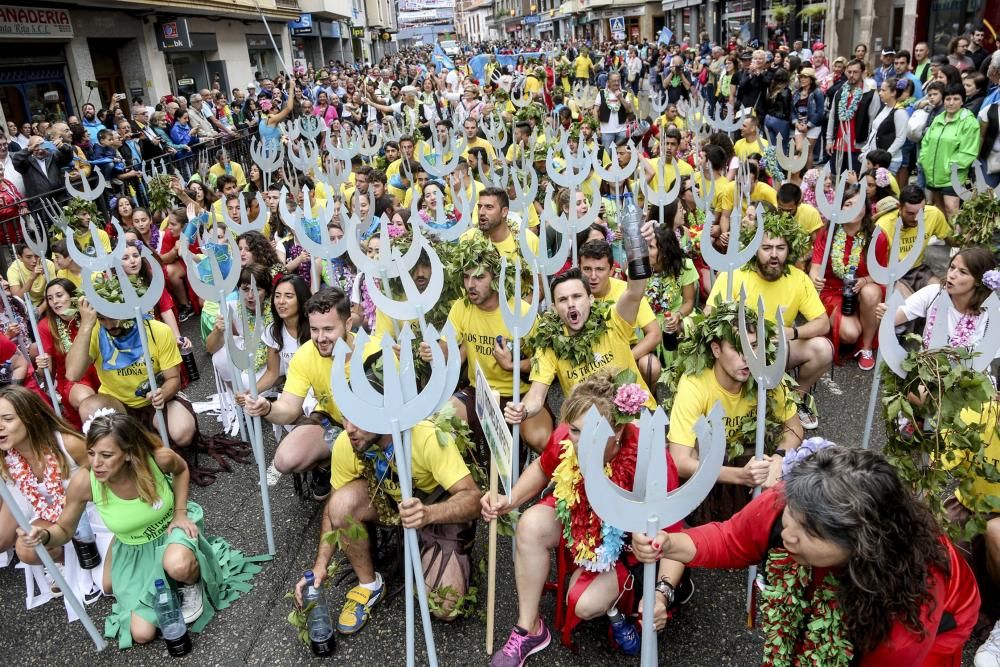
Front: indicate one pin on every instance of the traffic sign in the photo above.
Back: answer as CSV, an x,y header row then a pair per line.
x,y
617,24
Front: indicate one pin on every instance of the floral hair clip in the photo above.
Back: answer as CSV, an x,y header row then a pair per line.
x,y
882,177
808,447
992,279
100,412
629,401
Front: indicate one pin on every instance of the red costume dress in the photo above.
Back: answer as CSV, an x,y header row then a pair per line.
x,y
47,343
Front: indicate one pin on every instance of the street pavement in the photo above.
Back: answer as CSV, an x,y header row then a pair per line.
x,y
710,631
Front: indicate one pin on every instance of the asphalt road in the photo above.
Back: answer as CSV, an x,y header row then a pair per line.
x,y
709,631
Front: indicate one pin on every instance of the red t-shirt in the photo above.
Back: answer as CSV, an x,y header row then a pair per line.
x,y
744,539
549,459
7,351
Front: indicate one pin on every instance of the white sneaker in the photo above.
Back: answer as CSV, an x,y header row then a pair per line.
x,y
988,655
192,602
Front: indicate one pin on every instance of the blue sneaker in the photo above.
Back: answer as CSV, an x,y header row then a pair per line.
x,y
357,608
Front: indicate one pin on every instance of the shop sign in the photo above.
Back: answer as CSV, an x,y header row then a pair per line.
x,y
257,42
304,26
532,18
172,35
35,23
357,32
185,82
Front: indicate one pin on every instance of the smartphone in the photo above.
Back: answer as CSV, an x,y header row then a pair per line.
x,y
500,341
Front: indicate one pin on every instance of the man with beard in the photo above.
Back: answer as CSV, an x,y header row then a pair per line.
x,y
851,114
90,122
486,342
723,377
492,223
366,489
580,336
307,447
114,348
771,275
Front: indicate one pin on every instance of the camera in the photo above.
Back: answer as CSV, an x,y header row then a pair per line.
x,y
143,389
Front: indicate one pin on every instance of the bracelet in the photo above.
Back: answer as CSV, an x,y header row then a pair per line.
x,y
795,333
48,536
270,405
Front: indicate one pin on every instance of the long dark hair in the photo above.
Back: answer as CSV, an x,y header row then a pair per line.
x,y
301,296
70,288
261,248
978,261
854,499
669,256
40,425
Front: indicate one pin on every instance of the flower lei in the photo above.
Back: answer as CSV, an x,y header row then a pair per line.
x,y
20,473
662,291
837,263
845,110
579,349
799,630
63,331
964,334
260,354
595,545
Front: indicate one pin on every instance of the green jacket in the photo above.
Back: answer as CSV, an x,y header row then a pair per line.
x,y
946,143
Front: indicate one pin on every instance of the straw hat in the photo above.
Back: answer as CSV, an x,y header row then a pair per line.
x,y
809,72
886,205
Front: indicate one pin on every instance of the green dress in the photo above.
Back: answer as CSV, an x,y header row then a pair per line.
x,y
141,539
666,294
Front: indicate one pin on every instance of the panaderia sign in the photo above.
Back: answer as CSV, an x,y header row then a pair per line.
x,y
35,23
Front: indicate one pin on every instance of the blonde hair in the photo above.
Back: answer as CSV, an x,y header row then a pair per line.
x,y
138,444
597,390
41,425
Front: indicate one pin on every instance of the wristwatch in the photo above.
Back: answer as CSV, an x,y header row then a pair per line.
x,y
664,586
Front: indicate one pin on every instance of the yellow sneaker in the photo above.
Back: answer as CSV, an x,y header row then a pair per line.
x,y
357,608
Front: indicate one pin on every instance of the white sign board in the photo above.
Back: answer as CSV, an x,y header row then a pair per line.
x,y
617,24
35,23
495,429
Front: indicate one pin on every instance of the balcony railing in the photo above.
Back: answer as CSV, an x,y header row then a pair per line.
x,y
287,4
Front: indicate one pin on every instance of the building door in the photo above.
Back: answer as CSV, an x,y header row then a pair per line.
x,y
217,73
108,71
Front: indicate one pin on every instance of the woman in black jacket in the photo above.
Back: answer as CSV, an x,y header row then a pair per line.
x,y
778,108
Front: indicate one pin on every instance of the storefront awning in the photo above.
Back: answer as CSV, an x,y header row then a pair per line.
x,y
679,4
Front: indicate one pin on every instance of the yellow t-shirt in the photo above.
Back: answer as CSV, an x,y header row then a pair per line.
x,y
123,382
721,184
794,291
645,316
744,149
509,247
434,464
478,329
18,275
935,224
479,142
696,396
307,370
808,218
582,66
726,195
668,173
612,351
532,85
74,278
987,419
218,171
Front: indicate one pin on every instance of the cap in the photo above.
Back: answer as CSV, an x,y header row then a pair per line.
x,y
818,46
888,52
252,85
746,55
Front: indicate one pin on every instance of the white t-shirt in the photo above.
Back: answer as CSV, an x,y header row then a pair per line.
x,y
288,347
924,302
612,100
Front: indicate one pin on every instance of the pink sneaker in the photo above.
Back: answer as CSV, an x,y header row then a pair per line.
x,y
866,360
520,645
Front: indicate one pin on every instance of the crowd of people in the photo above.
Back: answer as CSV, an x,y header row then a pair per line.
x,y
858,570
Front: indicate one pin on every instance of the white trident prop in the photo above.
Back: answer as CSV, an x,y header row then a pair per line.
x,y
22,521
766,376
50,386
980,186
789,161
834,211
543,264
660,197
888,347
267,156
734,257
394,411
133,306
518,323
35,239
243,359
648,506
88,192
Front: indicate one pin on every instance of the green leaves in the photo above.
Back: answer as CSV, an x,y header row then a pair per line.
x,y
978,221
161,197
942,448
576,349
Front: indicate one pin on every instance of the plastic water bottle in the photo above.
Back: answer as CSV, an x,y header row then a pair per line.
x,y
848,298
669,338
636,249
170,620
6,374
85,544
624,632
328,434
321,637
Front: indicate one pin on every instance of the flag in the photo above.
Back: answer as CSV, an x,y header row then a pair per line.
x,y
441,59
666,35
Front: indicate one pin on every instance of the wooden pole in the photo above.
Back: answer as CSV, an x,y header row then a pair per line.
x,y
491,576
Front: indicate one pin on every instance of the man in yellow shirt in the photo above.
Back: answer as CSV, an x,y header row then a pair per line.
x,y
487,343
583,67
771,275
365,482
806,215
591,336
27,275
911,202
306,447
758,192
596,262
227,188
471,127
751,142
392,172
670,141
494,210
725,378
224,166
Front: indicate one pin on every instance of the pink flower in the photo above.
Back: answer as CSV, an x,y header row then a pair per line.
x,y
395,231
630,398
